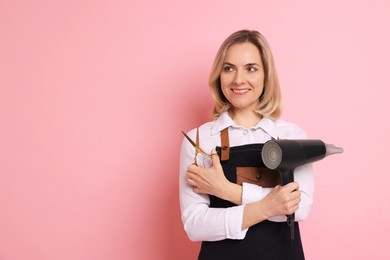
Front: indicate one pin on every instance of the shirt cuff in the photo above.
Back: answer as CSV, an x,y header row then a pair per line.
x,y
233,224
252,192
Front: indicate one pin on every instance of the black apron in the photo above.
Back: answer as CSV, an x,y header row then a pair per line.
x,y
266,240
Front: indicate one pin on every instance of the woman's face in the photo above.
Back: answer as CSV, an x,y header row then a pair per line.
x,y
242,76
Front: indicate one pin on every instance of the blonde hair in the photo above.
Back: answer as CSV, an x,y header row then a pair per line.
x,y
270,99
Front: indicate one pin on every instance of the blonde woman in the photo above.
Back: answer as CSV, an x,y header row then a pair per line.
x,y
229,200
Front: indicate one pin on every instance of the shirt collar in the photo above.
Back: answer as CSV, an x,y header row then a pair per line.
x,y
224,121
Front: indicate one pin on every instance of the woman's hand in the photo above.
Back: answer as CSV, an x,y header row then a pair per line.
x,y
212,181
282,200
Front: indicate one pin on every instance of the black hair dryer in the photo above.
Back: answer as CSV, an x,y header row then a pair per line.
x,y
286,155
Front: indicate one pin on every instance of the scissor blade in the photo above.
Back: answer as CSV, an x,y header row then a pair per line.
x,y
190,140
197,148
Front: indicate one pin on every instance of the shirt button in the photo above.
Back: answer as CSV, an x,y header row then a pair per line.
x,y
245,132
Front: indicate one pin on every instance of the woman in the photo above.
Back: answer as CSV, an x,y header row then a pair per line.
x,y
233,213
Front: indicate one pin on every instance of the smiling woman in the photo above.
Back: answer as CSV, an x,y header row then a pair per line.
x,y
242,80
251,51
242,219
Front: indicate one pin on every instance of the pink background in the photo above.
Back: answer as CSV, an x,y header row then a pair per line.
x,y
93,95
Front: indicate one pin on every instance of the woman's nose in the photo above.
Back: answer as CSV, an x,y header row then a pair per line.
x,y
239,77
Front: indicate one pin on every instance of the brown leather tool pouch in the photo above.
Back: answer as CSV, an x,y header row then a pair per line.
x,y
263,177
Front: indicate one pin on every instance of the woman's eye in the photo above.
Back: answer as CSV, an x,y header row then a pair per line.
x,y
228,69
252,69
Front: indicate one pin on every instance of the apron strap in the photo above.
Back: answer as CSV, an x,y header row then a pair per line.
x,y
225,147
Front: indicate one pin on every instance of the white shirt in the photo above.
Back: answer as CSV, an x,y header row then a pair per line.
x,y
203,223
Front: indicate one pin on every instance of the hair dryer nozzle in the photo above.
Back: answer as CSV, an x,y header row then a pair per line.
x,y
332,149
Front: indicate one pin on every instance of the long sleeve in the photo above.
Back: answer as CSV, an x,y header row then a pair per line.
x,y
201,222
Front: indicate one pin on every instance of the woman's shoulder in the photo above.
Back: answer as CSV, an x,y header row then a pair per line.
x,y
204,129
289,130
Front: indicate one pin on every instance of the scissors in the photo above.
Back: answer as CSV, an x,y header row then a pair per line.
x,y
196,145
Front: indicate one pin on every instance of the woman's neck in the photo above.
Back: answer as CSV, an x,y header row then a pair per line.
x,y
246,119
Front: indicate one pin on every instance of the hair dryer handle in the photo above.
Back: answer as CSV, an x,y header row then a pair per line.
x,y
287,176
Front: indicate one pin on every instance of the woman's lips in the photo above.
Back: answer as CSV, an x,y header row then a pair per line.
x,y
240,91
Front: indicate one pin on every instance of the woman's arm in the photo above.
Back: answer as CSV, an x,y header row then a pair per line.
x,y
280,201
302,175
201,222
212,181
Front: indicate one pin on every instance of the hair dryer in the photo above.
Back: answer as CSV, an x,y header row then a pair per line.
x,y
286,155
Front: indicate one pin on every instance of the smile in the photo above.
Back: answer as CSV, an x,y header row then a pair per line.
x,y
240,91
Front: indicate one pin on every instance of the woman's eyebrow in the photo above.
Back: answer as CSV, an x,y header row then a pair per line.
x,y
252,64
248,64
228,63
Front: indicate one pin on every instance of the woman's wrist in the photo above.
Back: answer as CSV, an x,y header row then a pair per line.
x,y
253,214
232,192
